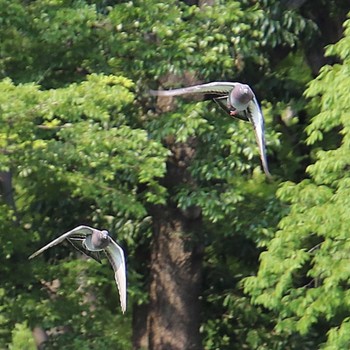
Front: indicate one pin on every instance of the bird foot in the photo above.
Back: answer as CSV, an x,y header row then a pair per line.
x,y
233,113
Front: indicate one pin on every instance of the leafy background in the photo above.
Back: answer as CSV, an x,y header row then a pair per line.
x,y
82,142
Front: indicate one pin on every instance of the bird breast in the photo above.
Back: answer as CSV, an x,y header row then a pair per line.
x,y
96,241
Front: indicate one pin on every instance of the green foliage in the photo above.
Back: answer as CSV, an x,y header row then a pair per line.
x,y
85,144
174,34
72,154
22,338
282,26
304,274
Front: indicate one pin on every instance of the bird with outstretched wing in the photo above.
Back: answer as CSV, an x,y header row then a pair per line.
x,y
237,100
91,242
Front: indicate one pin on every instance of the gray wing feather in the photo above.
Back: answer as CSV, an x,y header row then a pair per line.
x,y
221,90
79,232
222,103
78,244
215,88
115,256
257,119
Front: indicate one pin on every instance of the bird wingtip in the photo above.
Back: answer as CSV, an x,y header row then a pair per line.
x,y
153,92
32,256
268,175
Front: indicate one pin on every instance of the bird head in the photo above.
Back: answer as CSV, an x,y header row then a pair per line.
x,y
240,96
100,239
104,234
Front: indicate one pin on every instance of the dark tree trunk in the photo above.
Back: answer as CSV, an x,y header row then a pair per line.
x,y
176,268
176,262
173,315
139,326
6,191
171,320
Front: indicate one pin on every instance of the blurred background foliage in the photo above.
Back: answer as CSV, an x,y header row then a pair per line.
x,y
82,142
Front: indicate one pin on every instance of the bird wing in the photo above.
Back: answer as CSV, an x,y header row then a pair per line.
x,y
78,244
79,232
222,103
219,91
215,88
115,256
256,117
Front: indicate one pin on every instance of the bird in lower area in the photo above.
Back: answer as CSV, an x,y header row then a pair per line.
x,y
91,242
238,101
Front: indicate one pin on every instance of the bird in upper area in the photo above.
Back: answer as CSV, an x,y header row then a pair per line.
x,y
238,101
91,242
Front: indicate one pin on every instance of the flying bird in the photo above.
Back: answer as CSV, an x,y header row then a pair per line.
x,y
91,242
237,100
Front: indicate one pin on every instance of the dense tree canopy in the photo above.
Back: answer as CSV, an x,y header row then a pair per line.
x,y
215,252
304,273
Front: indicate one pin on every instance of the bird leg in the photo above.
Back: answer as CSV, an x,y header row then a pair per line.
x,y
233,111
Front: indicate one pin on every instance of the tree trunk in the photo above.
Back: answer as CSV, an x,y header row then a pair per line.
x,y
171,320
139,326
6,190
173,315
176,268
